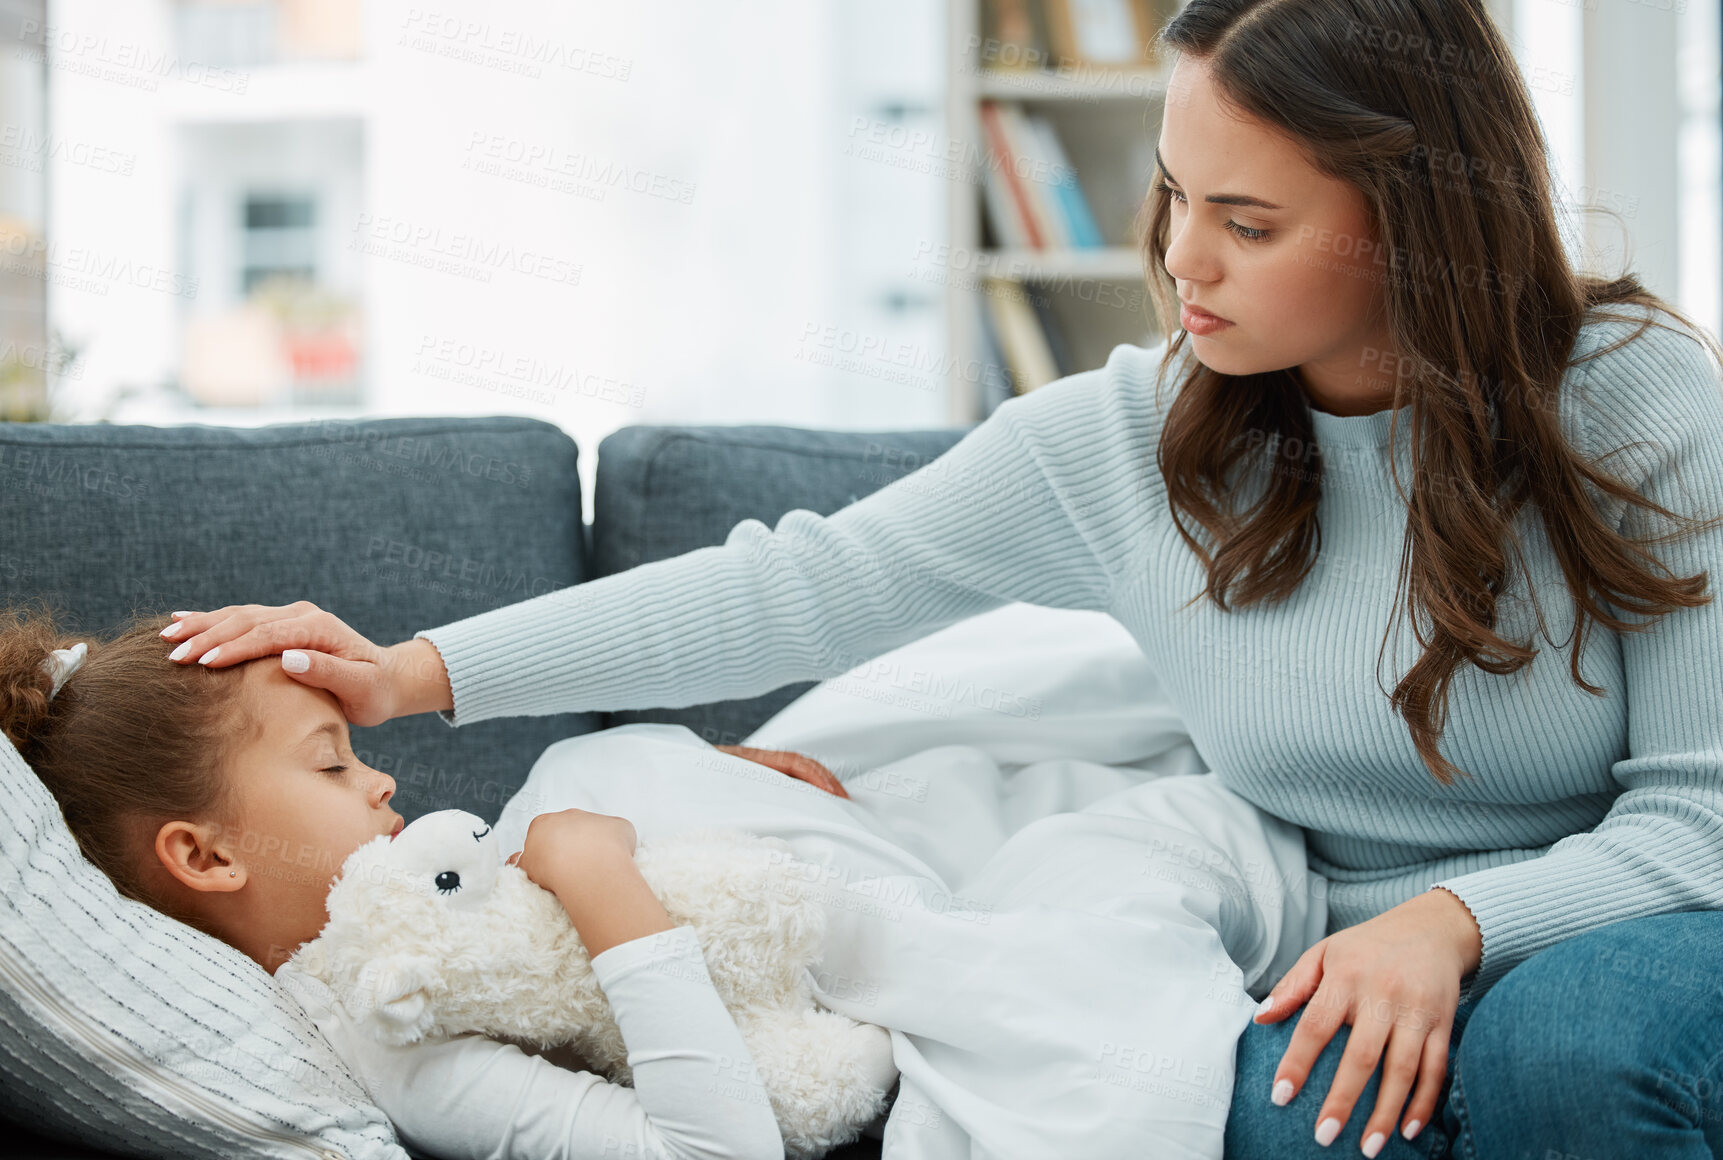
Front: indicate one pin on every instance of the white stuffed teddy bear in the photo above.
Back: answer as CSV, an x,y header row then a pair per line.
x,y
431,934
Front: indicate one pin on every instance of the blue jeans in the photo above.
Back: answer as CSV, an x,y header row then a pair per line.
x,y
1607,1045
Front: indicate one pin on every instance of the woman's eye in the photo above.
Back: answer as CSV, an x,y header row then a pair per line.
x,y
337,770
1248,233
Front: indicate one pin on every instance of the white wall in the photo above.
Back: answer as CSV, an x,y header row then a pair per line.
x,y
702,306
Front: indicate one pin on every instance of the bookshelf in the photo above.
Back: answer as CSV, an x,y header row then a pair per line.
x,y
1083,287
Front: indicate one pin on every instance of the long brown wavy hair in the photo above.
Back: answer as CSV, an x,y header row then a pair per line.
x,y
1386,95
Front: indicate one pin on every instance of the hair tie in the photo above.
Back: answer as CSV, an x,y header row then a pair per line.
x,y
62,663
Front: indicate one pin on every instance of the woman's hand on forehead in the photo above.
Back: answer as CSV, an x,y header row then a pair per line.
x,y
317,647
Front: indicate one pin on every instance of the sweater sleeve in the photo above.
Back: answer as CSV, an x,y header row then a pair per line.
x,y
1022,508
697,1093
1660,847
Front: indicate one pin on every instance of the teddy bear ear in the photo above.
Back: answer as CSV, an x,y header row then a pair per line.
x,y
401,991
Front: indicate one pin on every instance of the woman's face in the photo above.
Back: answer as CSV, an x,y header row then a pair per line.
x,y
305,803
1299,282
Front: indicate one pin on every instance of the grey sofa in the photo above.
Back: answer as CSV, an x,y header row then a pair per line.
x,y
401,524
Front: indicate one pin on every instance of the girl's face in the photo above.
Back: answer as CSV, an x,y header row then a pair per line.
x,y
306,802
1289,257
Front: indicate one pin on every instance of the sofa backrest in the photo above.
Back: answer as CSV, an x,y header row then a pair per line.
x,y
665,490
393,525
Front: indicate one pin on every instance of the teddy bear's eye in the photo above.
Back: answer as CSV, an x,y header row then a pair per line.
x,y
448,882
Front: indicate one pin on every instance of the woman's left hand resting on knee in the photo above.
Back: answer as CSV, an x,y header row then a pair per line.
x,y
373,684
1396,979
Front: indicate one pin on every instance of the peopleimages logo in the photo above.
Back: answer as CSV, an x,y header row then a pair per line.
x,y
47,472
435,453
389,236
22,253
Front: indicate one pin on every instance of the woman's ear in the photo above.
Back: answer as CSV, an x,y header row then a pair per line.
x,y
192,853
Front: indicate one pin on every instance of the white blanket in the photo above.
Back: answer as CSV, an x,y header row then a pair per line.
x,y
1037,886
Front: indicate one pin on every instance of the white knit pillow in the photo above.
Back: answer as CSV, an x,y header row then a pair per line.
x,y
129,1031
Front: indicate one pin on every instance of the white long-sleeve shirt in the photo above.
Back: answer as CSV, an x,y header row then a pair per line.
x,y
697,1093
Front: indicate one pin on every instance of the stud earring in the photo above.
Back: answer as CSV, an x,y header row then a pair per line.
x,y
233,873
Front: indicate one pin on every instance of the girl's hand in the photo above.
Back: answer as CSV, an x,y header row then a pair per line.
x,y
565,844
587,861
1396,979
373,684
797,765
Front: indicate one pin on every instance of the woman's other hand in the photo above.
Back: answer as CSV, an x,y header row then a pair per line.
x,y
1396,979
373,684
797,765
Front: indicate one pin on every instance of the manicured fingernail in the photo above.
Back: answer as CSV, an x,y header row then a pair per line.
x,y
208,656
1327,1130
1265,1006
1374,1144
172,630
1411,1129
295,661
1282,1092
178,654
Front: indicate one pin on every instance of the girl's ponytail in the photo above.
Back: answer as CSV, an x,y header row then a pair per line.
x,y
27,637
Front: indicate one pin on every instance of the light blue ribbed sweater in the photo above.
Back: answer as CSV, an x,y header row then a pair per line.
x,y
1581,810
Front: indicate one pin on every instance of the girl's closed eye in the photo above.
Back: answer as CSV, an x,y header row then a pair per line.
x,y
337,770
1248,233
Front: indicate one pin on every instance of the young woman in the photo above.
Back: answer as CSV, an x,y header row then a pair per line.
x,y
1393,401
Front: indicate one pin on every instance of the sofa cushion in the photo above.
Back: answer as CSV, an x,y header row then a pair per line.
x,y
391,524
662,491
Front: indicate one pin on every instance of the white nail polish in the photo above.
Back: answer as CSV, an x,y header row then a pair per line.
x,y
1265,1006
1411,1128
295,661
172,631
1282,1092
1374,1144
178,654
1327,1130
208,656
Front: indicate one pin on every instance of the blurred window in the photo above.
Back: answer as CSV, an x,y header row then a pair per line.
x,y
280,240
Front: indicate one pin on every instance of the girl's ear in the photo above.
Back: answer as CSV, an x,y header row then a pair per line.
x,y
399,990
188,851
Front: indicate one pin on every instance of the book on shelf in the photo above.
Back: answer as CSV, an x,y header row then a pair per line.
x,y
994,375
1049,34
1057,347
1081,227
1013,219
1027,334
1030,189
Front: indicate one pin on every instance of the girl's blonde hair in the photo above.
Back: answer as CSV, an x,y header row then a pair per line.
x,y
131,741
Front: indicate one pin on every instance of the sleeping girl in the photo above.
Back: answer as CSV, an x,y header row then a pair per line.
x,y
1079,990
229,799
